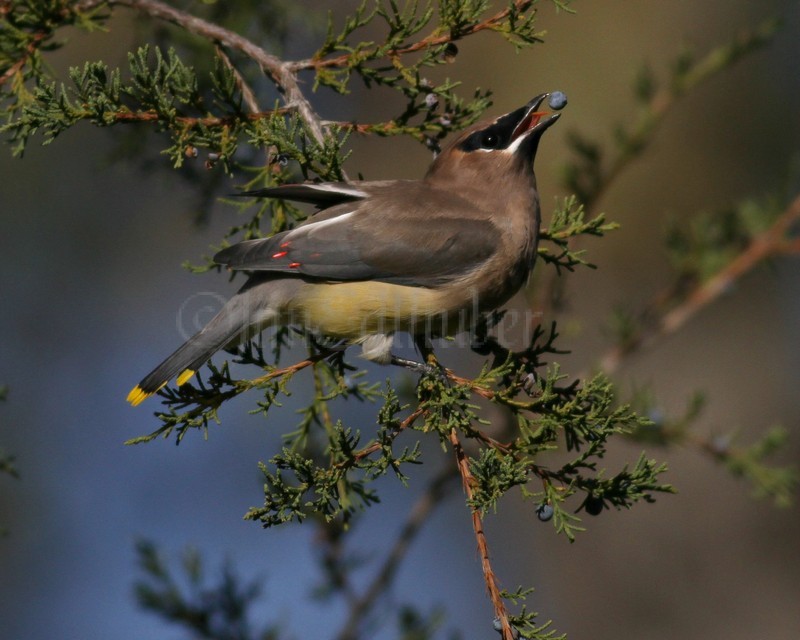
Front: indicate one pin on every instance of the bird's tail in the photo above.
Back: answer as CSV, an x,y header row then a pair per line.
x,y
232,322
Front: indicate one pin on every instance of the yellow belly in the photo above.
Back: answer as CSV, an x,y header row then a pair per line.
x,y
355,309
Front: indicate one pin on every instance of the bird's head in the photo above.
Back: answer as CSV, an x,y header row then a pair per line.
x,y
493,151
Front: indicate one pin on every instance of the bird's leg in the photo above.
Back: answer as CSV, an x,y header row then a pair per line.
x,y
413,365
429,364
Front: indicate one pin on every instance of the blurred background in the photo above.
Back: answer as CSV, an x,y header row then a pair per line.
x,y
93,293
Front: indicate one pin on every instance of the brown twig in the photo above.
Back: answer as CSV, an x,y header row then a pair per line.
x,y
279,71
386,128
771,242
375,446
493,395
480,390
189,121
434,39
289,370
489,576
14,69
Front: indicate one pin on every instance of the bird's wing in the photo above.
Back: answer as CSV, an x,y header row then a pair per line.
x,y
322,194
425,242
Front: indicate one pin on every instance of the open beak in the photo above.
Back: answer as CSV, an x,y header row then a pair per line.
x,y
532,122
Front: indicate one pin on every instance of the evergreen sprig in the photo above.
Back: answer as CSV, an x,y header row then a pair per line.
x,y
567,223
524,623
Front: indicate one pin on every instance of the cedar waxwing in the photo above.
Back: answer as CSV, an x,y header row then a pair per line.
x,y
422,256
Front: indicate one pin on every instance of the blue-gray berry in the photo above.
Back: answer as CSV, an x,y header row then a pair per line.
x,y
557,101
498,626
544,512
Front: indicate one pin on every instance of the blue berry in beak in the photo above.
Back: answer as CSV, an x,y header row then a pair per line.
x,y
557,100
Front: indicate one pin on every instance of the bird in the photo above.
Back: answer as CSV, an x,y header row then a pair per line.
x,y
427,257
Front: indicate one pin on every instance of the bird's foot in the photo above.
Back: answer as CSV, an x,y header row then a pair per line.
x,y
413,365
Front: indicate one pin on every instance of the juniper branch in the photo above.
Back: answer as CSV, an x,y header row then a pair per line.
x,y
489,576
279,71
773,241
434,39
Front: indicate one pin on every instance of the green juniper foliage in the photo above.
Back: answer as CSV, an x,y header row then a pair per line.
x,y
201,90
567,222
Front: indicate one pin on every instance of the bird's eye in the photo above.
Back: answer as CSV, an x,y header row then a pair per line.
x,y
490,141
487,140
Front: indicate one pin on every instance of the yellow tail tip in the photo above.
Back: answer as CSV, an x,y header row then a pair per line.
x,y
184,377
137,396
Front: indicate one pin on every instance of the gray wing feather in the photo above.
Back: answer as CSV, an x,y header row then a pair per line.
x,y
428,243
323,194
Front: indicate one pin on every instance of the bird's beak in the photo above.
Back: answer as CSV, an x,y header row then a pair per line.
x,y
531,123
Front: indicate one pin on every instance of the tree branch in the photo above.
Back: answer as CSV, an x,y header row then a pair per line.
x,y
771,242
190,122
279,71
33,45
433,39
376,446
489,576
